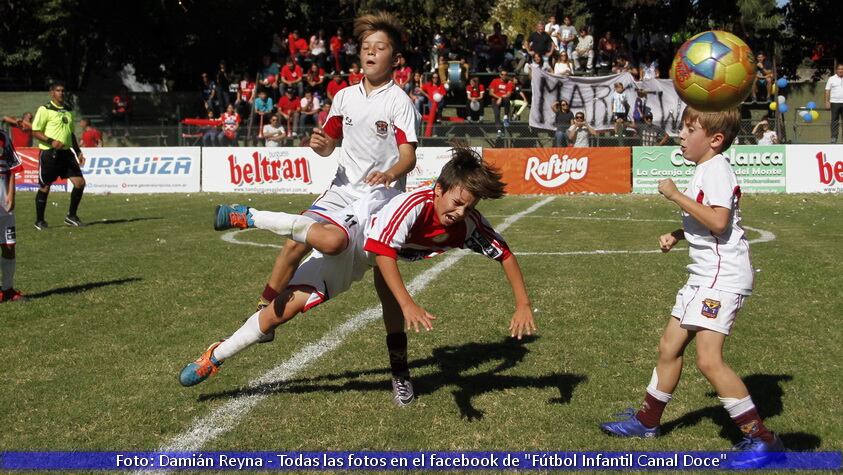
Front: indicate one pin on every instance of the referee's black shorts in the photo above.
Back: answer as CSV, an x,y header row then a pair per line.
x,y
55,164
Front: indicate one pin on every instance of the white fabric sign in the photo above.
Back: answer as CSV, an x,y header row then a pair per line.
x,y
593,95
814,168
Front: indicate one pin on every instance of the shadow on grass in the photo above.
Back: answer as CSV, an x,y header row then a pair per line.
x,y
75,289
122,221
767,394
461,369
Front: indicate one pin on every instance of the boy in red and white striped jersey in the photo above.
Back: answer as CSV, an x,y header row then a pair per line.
x,y
376,231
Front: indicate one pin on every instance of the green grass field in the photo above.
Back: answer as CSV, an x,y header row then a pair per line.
x,y
115,309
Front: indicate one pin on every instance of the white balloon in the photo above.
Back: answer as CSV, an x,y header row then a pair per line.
x,y
447,86
782,99
475,106
437,97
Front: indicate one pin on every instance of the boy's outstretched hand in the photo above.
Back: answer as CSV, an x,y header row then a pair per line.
x,y
522,322
415,316
668,188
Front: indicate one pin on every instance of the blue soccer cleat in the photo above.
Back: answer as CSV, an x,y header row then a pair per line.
x,y
201,369
755,453
629,426
232,216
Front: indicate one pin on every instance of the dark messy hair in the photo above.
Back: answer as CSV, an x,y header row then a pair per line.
x,y
467,170
381,21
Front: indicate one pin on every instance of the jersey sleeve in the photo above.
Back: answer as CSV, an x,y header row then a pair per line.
x,y
392,224
718,185
10,155
39,122
406,121
481,238
333,124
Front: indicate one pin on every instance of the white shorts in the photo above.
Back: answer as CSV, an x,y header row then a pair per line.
x,y
702,307
334,198
7,229
329,276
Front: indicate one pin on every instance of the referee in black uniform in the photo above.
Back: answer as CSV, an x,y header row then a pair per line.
x,y
60,155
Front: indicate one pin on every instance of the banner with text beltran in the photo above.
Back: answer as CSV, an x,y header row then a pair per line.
x,y
759,168
267,170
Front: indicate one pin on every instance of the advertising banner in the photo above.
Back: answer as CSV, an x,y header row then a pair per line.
x,y
562,170
429,162
142,169
759,168
815,168
267,170
27,177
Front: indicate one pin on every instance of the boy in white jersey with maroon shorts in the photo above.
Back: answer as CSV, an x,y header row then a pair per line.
x,y
377,124
721,278
376,231
9,164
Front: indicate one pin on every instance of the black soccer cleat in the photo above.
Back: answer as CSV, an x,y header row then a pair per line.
x,y
41,225
73,221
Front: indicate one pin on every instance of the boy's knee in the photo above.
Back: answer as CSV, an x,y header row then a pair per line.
x,y
335,244
708,365
294,250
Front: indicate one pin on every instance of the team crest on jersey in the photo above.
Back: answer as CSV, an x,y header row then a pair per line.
x,y
348,121
710,308
381,128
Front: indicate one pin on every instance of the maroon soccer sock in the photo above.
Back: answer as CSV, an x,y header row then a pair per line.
x,y
269,293
396,343
751,425
651,411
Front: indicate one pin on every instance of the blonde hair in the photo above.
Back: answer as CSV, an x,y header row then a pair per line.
x,y
381,21
726,122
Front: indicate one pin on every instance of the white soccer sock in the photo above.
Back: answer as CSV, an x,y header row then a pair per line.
x,y
243,338
652,391
8,267
293,226
736,407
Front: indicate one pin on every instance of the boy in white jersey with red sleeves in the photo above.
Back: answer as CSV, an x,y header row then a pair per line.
x,y
376,231
721,278
377,124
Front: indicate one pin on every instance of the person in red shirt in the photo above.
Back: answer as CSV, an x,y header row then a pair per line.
x,y
121,109
435,91
292,77
315,79
91,137
335,46
475,93
230,125
288,109
335,85
245,93
21,130
302,50
497,43
402,74
354,74
501,89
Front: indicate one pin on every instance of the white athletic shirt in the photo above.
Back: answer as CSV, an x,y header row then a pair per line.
x,y
371,128
717,261
9,163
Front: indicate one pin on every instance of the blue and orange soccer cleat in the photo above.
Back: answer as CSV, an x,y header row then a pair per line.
x,y
629,426
755,453
201,369
232,216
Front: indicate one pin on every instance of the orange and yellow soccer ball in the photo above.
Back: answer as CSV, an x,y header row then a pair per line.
x,y
713,71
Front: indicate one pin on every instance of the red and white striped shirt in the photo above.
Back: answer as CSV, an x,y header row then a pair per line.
x,y
408,228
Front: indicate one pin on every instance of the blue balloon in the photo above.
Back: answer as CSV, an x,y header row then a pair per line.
x,y
811,105
782,83
783,107
807,117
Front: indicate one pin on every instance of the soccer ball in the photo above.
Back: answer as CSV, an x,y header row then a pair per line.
x,y
713,71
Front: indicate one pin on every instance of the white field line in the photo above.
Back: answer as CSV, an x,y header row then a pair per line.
x,y
227,416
